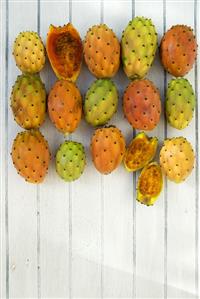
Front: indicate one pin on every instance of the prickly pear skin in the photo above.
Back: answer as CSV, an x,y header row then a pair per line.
x,y
28,101
142,105
177,159
70,160
65,51
100,102
139,44
149,184
29,52
31,155
65,106
107,149
180,103
140,152
178,50
102,51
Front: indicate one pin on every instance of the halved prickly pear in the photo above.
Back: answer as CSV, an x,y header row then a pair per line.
x,y
149,184
65,51
140,152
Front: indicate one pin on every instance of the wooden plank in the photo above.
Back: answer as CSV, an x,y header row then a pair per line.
x,y
181,198
3,90
54,193
118,186
21,197
197,124
150,220
86,192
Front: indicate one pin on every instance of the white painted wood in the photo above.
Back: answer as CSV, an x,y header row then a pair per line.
x,y
181,198
86,192
22,208
2,155
84,240
150,220
118,193
54,194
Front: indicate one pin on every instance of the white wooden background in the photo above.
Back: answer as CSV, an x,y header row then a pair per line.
x,y
91,238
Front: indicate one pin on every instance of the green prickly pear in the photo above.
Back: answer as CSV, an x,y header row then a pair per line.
x,y
101,102
139,44
70,160
180,103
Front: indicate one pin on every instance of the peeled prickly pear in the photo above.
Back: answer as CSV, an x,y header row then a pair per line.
x,y
65,50
149,184
140,152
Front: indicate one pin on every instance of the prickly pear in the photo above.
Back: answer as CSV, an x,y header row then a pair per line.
x,y
107,149
29,52
100,102
30,155
139,44
70,160
140,152
178,50
102,51
177,159
142,105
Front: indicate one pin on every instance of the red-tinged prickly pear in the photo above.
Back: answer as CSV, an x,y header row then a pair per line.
x,y
142,105
178,50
